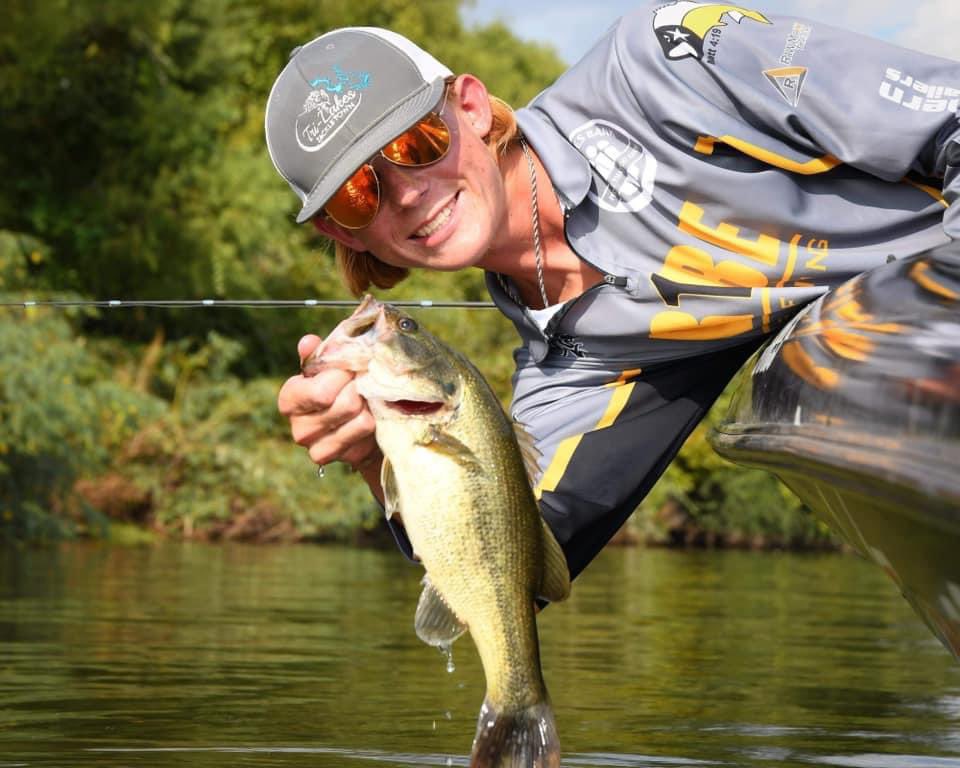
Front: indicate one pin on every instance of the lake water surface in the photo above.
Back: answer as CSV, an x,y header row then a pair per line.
x,y
305,656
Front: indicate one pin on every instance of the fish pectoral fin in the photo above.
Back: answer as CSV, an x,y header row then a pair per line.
x,y
555,579
435,622
528,452
448,446
391,494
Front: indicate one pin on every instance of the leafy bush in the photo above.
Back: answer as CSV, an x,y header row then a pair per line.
x,y
61,416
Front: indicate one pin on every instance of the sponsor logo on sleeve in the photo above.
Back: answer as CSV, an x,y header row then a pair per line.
x,y
684,28
627,170
328,106
788,79
915,95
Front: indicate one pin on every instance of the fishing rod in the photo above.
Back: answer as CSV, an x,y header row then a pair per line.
x,y
235,303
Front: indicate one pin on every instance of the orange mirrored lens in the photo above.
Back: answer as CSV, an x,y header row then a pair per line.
x,y
423,144
356,202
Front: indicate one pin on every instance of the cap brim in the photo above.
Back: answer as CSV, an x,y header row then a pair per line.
x,y
394,122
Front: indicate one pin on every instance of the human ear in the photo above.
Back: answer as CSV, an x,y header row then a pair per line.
x,y
329,228
473,101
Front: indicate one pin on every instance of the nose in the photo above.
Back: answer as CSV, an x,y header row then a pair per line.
x,y
404,187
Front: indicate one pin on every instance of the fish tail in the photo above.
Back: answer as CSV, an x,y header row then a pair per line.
x,y
526,738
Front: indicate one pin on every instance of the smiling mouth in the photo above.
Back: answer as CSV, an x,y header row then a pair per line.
x,y
439,220
414,407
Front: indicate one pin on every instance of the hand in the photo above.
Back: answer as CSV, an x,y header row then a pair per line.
x,y
329,418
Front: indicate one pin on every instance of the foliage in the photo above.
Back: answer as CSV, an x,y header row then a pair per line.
x,y
219,462
81,442
60,415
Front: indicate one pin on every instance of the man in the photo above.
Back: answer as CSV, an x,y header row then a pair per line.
x,y
667,204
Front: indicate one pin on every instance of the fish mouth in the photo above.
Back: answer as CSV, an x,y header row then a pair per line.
x,y
415,407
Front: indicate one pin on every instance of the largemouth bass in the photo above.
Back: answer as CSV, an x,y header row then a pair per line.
x,y
457,473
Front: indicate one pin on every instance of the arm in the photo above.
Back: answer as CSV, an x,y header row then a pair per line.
x,y
795,92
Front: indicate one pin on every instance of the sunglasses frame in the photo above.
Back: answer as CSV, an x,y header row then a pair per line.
x,y
438,114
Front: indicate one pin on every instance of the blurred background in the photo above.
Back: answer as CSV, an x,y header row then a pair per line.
x,y
132,166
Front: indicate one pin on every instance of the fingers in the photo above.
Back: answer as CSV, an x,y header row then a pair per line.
x,y
302,395
351,446
328,416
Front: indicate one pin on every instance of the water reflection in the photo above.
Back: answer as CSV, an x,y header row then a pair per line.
x,y
306,656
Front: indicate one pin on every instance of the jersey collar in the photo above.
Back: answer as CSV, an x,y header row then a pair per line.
x,y
569,171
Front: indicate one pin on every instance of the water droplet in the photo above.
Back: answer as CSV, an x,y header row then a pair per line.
x,y
448,650
434,725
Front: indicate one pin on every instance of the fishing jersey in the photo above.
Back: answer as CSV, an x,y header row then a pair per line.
x,y
721,168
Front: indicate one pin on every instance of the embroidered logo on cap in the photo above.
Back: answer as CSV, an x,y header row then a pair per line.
x,y
328,106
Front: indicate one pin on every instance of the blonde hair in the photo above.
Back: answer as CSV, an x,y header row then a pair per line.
x,y
361,269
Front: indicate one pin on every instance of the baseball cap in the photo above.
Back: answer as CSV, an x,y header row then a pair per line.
x,y
340,98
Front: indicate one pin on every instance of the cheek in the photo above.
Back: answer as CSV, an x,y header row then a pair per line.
x,y
486,187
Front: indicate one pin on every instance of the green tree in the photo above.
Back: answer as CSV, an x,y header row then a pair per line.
x,y
132,145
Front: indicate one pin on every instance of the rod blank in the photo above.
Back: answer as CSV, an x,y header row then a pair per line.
x,y
237,303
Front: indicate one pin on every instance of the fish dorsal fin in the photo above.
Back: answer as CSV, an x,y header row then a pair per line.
x,y
391,495
435,622
555,579
528,452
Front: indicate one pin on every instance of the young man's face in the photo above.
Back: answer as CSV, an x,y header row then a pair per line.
x,y
446,215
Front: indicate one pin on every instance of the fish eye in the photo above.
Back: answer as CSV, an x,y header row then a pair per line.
x,y
407,324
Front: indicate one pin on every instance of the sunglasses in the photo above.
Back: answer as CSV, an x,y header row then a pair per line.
x,y
355,204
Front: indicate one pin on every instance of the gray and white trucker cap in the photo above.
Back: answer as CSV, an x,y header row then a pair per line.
x,y
339,99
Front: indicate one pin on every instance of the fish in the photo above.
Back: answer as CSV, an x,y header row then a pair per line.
x,y
458,473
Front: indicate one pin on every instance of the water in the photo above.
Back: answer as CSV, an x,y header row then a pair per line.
x,y
306,656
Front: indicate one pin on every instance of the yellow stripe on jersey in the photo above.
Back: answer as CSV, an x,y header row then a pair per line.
x,y
932,191
564,453
705,146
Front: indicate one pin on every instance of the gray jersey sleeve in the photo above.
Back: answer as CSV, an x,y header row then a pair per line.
x,y
795,92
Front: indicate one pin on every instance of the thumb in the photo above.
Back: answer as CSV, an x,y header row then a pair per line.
x,y
307,345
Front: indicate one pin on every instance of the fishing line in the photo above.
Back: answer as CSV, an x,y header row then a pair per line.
x,y
238,303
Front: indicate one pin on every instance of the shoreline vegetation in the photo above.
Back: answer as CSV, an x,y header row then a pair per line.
x,y
114,440
132,149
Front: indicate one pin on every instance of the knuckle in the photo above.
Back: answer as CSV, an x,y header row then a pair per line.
x,y
321,454
354,408
303,436
366,422
285,398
